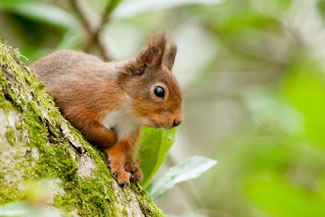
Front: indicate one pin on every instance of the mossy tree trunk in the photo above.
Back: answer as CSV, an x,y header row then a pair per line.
x,y
37,143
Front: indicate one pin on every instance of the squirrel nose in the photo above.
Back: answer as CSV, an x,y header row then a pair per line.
x,y
176,122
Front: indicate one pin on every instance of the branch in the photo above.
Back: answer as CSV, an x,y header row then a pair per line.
x,y
83,18
93,33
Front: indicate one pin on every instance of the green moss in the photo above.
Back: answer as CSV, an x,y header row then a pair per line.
x,y
10,135
146,202
125,212
40,126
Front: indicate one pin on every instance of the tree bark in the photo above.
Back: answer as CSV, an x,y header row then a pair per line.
x,y
37,143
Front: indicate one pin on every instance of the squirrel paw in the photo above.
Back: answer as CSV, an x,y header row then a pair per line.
x,y
137,175
122,177
134,169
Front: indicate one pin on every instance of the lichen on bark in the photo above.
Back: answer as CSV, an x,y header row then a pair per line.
x,y
37,143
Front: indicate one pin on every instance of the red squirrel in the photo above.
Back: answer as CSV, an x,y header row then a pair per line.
x,y
109,102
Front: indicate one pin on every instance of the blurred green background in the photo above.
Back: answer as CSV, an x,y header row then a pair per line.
x,y
253,79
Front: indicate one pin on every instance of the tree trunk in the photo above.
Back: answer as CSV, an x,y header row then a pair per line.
x,y
37,143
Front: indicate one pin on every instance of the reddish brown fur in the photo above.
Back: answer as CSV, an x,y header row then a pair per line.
x,y
89,91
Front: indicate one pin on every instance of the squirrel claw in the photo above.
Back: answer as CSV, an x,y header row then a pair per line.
x,y
123,179
137,175
123,184
133,168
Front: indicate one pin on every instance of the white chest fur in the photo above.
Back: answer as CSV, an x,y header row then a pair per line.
x,y
123,122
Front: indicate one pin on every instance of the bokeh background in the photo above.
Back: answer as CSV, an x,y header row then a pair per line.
x,y
253,78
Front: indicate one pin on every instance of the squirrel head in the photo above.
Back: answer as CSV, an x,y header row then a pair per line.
x,y
148,81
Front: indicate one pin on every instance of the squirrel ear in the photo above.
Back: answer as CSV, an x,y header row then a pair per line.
x,y
152,54
169,57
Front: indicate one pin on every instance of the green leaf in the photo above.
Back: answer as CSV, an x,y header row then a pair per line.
x,y
33,53
15,209
305,89
131,8
153,148
283,198
24,209
40,12
188,214
71,40
321,7
188,169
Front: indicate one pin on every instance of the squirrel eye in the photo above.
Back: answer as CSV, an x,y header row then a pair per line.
x,y
159,91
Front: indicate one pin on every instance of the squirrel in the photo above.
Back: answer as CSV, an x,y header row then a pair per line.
x,y
109,102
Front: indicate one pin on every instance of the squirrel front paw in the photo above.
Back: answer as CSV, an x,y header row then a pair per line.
x,y
122,177
116,168
133,168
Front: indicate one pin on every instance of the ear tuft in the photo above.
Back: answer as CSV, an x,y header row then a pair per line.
x,y
169,57
158,40
152,54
